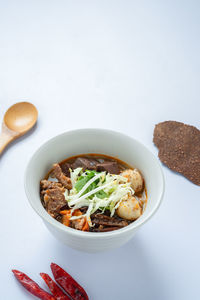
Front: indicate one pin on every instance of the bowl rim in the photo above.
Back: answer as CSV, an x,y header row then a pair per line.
x,y
73,232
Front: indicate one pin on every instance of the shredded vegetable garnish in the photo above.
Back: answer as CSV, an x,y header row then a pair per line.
x,y
96,191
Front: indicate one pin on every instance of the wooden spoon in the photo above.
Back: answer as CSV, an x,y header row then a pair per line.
x,y
18,119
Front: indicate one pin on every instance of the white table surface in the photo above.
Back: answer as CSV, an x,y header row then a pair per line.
x,y
122,65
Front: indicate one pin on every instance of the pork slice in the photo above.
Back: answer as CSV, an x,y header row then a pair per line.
x,y
111,167
57,172
85,163
54,200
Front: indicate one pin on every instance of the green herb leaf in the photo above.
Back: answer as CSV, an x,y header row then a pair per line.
x,y
83,179
101,194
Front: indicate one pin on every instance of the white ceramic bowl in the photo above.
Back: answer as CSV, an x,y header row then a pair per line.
x,y
94,141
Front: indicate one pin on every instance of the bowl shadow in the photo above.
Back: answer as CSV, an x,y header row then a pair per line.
x,y
129,272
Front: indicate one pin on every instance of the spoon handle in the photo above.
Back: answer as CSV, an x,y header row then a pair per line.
x,y
6,136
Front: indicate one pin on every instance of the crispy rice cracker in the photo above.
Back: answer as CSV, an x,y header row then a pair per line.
x,y
179,148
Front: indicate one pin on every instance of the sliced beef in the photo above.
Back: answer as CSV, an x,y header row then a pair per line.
x,y
104,229
83,209
59,218
65,168
46,184
78,224
65,207
85,163
100,219
108,166
93,164
54,200
57,172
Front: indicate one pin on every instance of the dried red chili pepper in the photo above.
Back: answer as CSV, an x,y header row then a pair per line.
x,y
54,288
32,286
68,283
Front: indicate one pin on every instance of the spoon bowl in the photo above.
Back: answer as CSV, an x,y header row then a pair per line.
x,y
21,117
18,119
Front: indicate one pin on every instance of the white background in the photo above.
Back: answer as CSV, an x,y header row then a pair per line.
x,y
122,65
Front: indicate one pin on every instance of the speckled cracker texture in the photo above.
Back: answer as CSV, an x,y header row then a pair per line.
x,y
179,148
